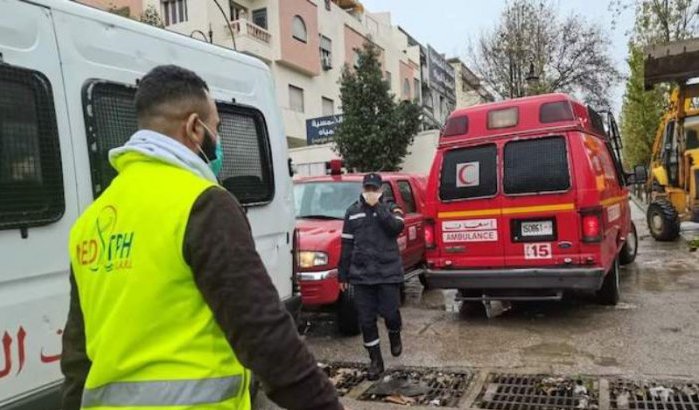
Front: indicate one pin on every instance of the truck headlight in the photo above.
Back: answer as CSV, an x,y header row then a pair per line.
x,y
312,259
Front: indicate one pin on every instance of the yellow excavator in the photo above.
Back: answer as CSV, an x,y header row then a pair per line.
x,y
674,168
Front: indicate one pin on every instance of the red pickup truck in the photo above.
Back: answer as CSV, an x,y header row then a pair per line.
x,y
321,203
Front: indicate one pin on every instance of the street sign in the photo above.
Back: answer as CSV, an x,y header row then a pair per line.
x,y
322,129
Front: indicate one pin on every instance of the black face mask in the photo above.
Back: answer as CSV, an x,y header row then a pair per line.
x,y
208,147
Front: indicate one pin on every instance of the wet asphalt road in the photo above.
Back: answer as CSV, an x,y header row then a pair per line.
x,y
653,332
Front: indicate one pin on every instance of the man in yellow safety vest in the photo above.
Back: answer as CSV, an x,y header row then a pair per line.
x,y
170,302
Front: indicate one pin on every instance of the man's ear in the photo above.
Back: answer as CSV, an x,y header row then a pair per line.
x,y
193,129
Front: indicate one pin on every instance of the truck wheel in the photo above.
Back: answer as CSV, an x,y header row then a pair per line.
x,y
609,292
423,281
630,248
663,221
347,319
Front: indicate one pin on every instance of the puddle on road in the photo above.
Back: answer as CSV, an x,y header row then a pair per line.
x,y
565,353
656,276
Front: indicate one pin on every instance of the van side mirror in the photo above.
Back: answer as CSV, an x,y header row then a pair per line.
x,y
638,176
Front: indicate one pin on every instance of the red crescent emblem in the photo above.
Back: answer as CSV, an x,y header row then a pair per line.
x,y
463,175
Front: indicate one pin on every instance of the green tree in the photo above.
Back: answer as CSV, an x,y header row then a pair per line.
x,y
376,130
641,112
567,53
656,21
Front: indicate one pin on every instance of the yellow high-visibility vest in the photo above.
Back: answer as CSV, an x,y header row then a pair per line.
x,y
152,339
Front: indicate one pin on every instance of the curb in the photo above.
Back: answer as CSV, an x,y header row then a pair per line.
x,y
639,203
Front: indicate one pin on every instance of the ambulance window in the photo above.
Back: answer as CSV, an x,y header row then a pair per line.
x,y
536,165
469,173
596,121
31,177
110,120
406,192
247,158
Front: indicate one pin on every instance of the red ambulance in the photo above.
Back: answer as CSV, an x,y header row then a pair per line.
x,y
526,199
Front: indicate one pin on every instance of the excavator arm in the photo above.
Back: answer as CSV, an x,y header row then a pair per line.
x,y
675,62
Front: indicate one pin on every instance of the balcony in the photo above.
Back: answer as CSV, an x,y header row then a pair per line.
x,y
252,39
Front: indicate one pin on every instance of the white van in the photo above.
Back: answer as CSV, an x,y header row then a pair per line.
x,y
68,75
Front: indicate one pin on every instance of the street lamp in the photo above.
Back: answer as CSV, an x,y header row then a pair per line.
x,y
532,78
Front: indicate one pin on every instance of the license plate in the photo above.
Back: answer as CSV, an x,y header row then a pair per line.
x,y
536,228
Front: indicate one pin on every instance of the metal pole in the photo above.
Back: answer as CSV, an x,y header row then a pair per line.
x,y
228,23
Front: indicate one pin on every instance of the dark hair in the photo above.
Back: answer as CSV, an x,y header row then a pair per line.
x,y
170,84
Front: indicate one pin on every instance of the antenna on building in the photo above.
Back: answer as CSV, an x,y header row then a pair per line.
x,y
228,23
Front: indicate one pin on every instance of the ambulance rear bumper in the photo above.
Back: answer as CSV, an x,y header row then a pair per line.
x,y
532,278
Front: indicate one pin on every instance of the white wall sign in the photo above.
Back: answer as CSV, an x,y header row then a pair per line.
x,y
470,230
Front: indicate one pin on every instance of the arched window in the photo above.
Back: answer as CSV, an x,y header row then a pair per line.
x,y
406,89
299,29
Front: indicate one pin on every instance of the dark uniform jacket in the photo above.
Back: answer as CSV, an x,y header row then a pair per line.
x,y
370,253
232,279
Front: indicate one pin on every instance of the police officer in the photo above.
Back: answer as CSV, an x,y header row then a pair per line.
x,y
371,264
171,306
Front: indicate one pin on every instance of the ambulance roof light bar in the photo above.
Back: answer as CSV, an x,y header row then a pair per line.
x,y
334,166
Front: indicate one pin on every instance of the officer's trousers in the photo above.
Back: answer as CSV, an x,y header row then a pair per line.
x,y
374,300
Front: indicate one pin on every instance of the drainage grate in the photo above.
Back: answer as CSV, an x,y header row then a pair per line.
x,y
653,395
420,386
344,376
537,392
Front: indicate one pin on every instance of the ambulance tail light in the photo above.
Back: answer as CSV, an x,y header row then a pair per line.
x,y
592,228
430,242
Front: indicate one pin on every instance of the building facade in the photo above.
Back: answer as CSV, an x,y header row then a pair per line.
x,y
306,43
468,87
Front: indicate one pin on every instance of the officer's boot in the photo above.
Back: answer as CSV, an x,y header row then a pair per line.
x,y
396,344
376,366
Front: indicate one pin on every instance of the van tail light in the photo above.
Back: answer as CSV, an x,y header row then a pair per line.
x,y
592,227
429,234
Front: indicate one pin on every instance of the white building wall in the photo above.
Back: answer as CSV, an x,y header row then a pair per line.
x,y
310,161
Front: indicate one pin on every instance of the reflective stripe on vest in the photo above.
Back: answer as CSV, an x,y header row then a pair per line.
x,y
163,393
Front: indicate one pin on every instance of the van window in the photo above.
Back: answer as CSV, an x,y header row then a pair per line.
x,y
406,192
325,200
596,121
31,177
110,120
247,158
469,173
536,165
388,194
